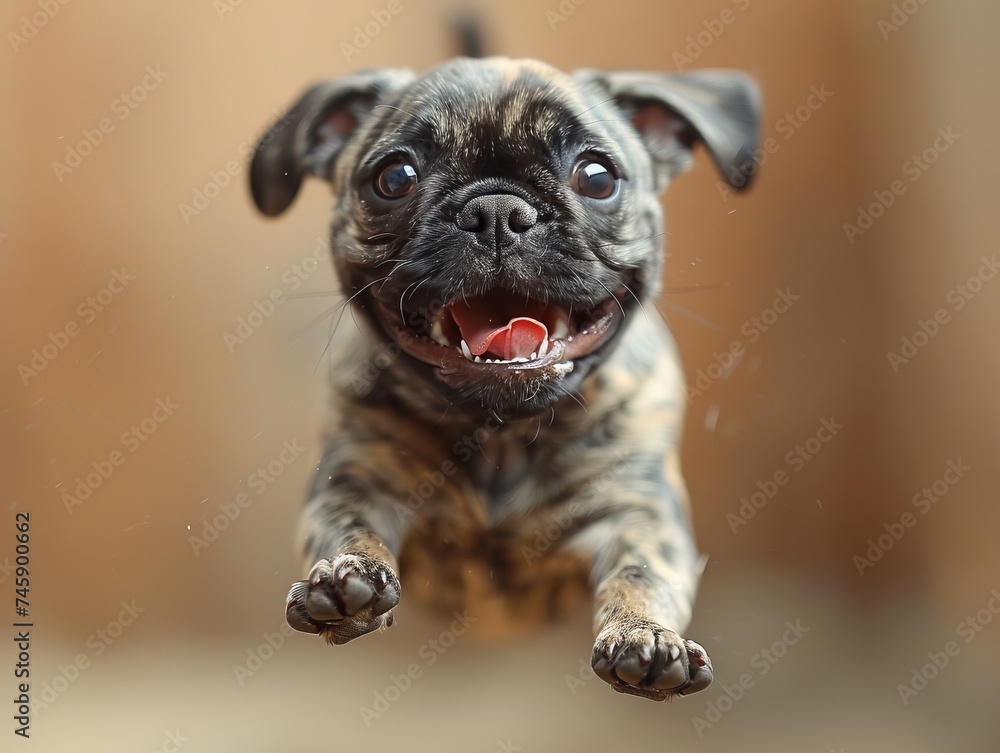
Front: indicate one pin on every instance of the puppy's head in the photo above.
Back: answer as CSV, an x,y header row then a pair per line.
x,y
499,220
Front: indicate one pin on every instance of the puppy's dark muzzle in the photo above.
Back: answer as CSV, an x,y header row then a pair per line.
x,y
497,220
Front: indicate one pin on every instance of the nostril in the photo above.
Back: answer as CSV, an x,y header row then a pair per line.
x,y
522,218
470,219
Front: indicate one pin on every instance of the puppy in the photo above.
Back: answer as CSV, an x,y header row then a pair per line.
x,y
505,433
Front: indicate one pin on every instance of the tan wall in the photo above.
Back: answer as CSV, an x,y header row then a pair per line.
x,y
64,237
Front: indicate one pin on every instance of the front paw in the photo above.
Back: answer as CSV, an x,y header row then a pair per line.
x,y
642,658
343,598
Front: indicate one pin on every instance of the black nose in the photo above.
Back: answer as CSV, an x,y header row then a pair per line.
x,y
497,218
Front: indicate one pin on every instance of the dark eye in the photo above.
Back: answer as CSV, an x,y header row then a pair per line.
x,y
593,179
395,179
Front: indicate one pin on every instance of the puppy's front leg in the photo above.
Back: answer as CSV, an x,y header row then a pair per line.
x,y
645,577
353,536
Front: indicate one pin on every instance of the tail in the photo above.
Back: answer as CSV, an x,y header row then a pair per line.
x,y
468,33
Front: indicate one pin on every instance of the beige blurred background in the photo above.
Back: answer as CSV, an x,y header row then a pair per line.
x,y
892,75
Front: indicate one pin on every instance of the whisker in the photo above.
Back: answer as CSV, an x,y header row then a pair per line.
x,y
315,294
387,234
577,400
697,288
609,120
632,241
392,271
642,308
622,308
538,429
336,323
314,321
402,298
397,109
444,415
690,314
415,289
393,259
603,101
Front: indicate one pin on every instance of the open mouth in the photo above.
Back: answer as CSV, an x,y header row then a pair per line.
x,y
503,330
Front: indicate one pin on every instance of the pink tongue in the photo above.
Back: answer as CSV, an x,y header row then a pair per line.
x,y
519,339
503,325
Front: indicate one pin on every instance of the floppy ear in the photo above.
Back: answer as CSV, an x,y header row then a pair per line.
x,y
312,134
720,108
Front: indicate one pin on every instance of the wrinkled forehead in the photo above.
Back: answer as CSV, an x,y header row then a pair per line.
x,y
498,102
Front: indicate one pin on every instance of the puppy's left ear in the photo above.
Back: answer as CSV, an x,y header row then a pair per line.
x,y
720,108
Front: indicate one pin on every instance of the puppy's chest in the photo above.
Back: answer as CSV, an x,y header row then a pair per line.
x,y
488,499
482,546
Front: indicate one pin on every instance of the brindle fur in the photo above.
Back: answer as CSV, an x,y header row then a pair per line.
x,y
509,503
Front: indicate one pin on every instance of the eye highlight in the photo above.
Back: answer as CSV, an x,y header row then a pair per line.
x,y
396,179
594,179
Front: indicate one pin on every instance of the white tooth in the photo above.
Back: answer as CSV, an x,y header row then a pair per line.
x,y
437,334
569,339
560,327
465,350
477,359
543,348
533,356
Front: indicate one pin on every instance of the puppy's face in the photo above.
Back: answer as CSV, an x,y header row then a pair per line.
x,y
497,219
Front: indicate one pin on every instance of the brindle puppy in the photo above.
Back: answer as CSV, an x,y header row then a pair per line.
x,y
506,431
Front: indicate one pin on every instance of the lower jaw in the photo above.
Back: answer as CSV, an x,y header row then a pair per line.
x,y
511,400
